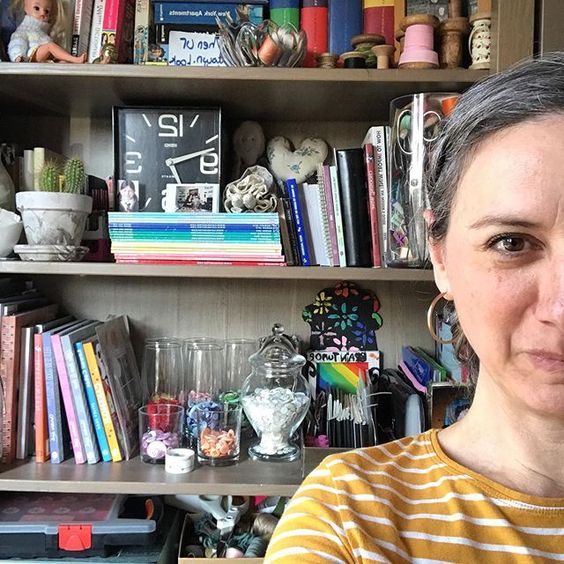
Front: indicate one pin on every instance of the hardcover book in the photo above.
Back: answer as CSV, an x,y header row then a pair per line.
x,y
101,386
10,338
82,410
123,375
354,202
92,403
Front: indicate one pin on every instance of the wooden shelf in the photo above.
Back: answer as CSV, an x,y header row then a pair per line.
x,y
234,272
251,93
248,477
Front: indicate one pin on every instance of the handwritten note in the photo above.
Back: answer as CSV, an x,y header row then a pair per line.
x,y
191,48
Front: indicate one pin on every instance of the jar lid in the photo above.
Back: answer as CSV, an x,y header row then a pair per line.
x,y
277,355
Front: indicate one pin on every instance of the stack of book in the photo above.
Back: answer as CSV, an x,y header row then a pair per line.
x,y
70,386
251,239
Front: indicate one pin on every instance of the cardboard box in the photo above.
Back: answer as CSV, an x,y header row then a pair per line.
x,y
185,560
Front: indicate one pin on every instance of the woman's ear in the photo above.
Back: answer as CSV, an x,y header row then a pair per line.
x,y
437,254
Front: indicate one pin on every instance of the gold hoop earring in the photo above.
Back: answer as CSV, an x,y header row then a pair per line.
x,y
431,321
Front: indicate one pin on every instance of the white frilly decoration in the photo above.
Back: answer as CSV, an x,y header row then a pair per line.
x,y
253,192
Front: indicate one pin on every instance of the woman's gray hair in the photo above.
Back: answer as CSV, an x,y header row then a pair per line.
x,y
530,90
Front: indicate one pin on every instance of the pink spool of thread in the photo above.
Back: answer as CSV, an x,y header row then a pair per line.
x,y
418,50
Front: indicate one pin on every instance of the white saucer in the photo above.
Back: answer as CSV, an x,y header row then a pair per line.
x,y
50,253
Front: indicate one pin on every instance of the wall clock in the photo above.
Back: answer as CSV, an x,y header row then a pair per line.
x,y
156,145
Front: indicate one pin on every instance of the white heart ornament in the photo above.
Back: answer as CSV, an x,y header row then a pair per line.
x,y
299,164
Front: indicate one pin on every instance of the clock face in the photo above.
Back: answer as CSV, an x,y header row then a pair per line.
x,y
156,146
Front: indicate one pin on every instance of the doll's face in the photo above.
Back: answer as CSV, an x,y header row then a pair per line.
x,y
39,9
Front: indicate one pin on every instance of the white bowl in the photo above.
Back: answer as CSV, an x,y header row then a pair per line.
x,y
10,231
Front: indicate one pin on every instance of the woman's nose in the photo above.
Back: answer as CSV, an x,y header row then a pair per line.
x,y
551,293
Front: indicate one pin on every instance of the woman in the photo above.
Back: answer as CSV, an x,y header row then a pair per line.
x,y
490,488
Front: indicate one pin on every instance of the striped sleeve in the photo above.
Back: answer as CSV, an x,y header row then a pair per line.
x,y
311,531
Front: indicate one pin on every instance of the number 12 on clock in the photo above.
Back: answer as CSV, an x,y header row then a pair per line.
x,y
157,145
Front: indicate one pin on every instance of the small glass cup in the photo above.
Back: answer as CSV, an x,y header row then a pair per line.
x,y
219,433
237,365
160,428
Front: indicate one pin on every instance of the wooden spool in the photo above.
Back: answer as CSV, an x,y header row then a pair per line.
x,y
452,33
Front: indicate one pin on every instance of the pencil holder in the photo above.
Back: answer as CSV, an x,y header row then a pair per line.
x,y
415,120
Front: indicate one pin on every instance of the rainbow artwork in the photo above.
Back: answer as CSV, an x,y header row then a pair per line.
x,y
342,375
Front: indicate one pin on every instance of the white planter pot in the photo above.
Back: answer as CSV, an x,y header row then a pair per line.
x,y
53,218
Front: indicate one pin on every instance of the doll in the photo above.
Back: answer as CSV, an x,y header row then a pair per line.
x,y
35,38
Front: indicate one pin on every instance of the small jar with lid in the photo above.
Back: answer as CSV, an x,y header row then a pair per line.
x,y
275,397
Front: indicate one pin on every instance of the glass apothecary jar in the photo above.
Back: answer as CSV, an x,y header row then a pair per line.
x,y
275,397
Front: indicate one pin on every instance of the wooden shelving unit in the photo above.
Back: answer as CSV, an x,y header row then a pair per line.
x,y
68,108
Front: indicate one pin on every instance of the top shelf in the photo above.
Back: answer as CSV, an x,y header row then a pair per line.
x,y
278,94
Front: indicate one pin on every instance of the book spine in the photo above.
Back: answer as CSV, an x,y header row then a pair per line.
x,y
380,162
314,21
8,362
292,230
199,13
66,392
378,17
338,215
292,187
102,400
143,21
352,184
325,175
285,235
77,15
52,400
84,27
80,408
93,403
96,30
125,31
345,21
24,394
40,402
375,230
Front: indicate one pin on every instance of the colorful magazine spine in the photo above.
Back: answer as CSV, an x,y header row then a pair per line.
x,y
66,392
52,399
40,402
292,187
93,403
103,397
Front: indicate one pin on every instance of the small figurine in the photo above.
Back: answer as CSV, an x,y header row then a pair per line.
x,y
34,39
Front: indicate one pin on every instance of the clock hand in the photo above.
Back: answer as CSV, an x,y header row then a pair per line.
x,y
174,172
175,160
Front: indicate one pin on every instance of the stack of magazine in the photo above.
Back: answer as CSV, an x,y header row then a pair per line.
x,y
246,239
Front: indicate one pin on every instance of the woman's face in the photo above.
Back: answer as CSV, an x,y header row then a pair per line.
x,y
502,262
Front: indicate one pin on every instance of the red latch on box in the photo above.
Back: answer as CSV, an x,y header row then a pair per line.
x,y
75,537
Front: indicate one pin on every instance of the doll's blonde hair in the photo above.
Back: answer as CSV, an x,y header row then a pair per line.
x,y
58,18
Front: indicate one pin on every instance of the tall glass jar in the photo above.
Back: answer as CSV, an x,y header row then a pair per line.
x,y
414,123
275,397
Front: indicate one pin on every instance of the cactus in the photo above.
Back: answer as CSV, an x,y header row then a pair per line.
x,y
74,176
49,177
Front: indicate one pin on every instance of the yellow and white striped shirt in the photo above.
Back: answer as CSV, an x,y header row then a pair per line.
x,y
407,501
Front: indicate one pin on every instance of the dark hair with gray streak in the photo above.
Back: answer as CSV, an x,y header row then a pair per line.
x,y
530,90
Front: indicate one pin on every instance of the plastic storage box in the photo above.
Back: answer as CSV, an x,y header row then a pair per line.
x,y
54,525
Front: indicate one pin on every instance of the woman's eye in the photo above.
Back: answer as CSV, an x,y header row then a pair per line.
x,y
511,244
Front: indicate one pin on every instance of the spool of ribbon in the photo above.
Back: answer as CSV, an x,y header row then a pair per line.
x,y
179,460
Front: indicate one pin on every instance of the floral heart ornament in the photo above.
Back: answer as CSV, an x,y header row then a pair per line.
x,y
300,163
346,317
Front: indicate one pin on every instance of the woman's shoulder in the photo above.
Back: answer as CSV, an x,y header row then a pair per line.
x,y
411,463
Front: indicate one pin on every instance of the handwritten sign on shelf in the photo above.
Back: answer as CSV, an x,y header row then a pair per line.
x,y
194,49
